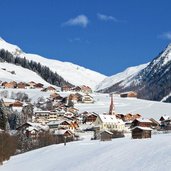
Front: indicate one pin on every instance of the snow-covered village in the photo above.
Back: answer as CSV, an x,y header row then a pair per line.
x,y
78,93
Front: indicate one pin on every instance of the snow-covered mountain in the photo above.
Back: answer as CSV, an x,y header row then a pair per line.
x,y
128,73
11,72
152,81
70,72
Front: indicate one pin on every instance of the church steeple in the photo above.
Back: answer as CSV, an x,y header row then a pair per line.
x,y
112,107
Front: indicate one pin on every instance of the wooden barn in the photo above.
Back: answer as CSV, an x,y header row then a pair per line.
x,y
141,132
106,135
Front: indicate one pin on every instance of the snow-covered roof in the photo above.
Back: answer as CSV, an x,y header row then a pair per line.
x,y
38,126
31,128
61,132
57,122
110,119
165,117
143,120
6,100
142,128
107,132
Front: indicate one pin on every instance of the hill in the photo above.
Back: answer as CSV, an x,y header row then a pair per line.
x,y
74,74
119,154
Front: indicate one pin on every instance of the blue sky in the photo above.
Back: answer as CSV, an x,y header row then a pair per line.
x,y
104,35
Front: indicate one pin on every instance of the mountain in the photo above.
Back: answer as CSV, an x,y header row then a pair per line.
x,y
152,81
74,74
128,73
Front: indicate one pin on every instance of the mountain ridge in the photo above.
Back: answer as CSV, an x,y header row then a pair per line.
x,y
72,73
153,82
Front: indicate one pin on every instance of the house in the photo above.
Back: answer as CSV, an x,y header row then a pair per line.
x,y
63,136
73,97
73,110
77,89
66,88
139,132
165,122
63,124
49,89
53,125
89,117
141,122
128,117
78,97
31,130
17,103
45,116
155,124
109,122
106,135
21,85
38,85
55,96
8,102
11,84
31,84
87,99
86,89
128,94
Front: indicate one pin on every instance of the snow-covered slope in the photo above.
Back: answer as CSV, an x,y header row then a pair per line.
x,y
120,154
122,76
152,81
146,108
72,73
21,74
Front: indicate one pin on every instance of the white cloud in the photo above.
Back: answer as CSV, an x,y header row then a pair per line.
x,y
80,20
166,35
77,39
104,17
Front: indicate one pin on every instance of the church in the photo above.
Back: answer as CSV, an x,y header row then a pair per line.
x,y
110,121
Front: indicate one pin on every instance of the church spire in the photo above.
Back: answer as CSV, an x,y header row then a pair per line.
x,y
112,107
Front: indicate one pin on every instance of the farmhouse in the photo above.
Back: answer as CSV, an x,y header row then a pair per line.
x,y
31,130
165,122
21,85
141,132
89,117
77,89
38,85
86,89
49,89
12,84
31,84
63,136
